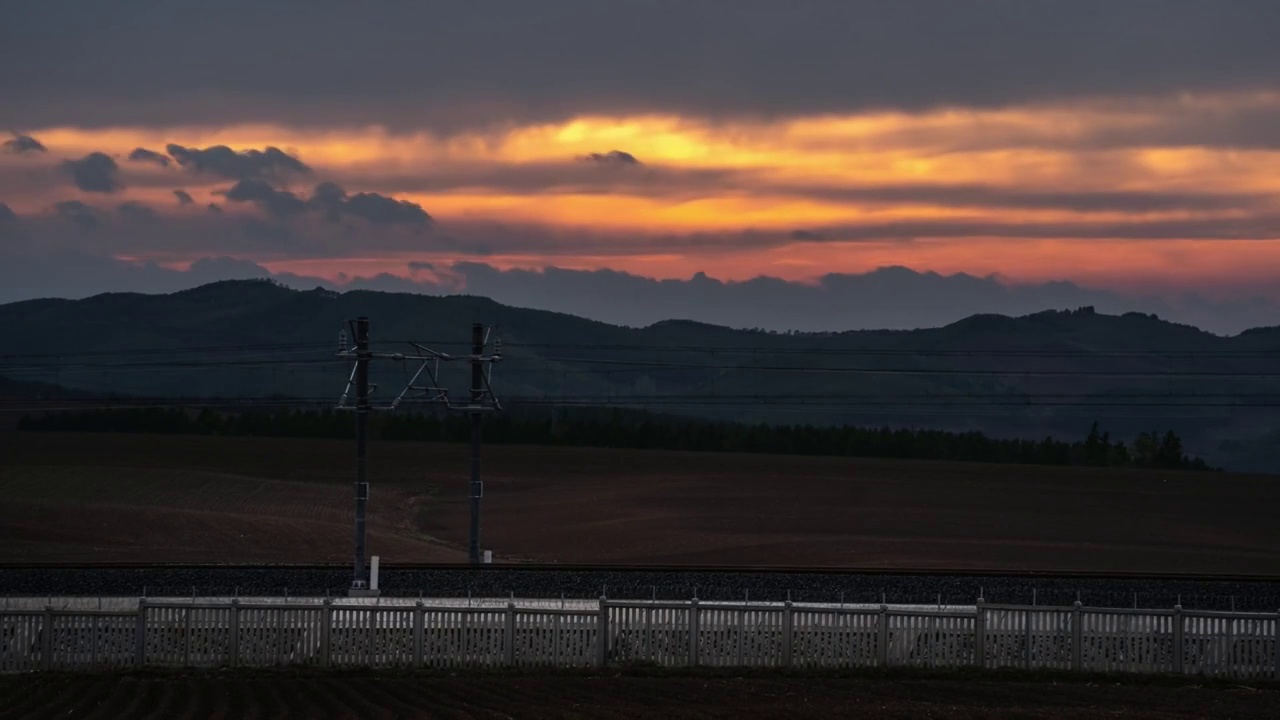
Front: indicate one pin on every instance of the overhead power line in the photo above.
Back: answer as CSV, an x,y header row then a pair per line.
x,y
264,360
8,357
852,402
908,352
866,370
684,348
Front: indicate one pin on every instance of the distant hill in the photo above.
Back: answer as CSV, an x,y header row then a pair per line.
x,y
1050,372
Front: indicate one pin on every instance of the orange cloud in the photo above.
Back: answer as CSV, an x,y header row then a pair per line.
x,y
778,176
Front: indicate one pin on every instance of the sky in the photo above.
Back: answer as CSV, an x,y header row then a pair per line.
x,y
1129,150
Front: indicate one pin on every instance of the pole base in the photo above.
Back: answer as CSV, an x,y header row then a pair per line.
x,y
363,593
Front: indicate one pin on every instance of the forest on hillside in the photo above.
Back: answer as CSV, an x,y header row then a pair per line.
x,y
643,430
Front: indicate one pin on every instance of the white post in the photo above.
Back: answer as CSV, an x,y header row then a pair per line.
x,y
488,557
883,629
140,635
233,648
602,632
373,573
1276,646
788,630
980,634
1077,637
1179,643
509,636
46,651
693,633
419,620
326,632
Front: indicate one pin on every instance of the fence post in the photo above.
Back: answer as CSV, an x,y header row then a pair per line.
x,y
371,657
280,635
419,620
788,633
510,635
140,635
602,632
186,638
46,649
882,648
980,635
233,648
1077,637
1026,639
1277,646
1178,641
326,632
1231,643
693,633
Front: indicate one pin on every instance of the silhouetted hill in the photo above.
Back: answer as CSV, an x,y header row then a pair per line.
x,y
1050,372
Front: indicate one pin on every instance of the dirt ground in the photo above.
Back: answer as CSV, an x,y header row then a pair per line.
x,y
376,696
190,498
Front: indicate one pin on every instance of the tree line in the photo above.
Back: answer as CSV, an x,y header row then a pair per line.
x,y
637,429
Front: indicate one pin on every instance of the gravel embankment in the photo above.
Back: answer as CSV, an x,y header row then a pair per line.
x,y
673,584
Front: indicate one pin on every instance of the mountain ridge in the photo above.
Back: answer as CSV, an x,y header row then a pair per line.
x,y
1128,367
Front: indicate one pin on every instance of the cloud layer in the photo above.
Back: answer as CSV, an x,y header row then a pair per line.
x,y
561,58
1131,146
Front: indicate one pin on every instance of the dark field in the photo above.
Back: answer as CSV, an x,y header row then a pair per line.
x,y
134,498
723,695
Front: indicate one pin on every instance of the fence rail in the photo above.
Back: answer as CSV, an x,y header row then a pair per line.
x,y
202,634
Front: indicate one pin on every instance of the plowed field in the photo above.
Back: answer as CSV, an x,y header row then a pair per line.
x,y
143,498
372,697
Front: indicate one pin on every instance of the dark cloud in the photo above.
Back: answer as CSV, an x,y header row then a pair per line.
x,y
551,59
86,216
613,157
7,214
136,211
271,232
184,198
677,183
577,177
214,208
1256,227
379,209
328,197
149,156
95,172
252,164
23,144
462,235
978,196
280,203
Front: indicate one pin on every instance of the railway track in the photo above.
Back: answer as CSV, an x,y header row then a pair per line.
x,y
498,568
801,584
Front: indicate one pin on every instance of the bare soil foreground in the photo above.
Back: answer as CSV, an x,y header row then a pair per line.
x,y
137,498
723,695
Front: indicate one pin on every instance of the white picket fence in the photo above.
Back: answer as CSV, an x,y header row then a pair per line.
x,y
204,634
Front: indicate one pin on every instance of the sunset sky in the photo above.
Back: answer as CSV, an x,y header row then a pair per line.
x,y
1132,146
